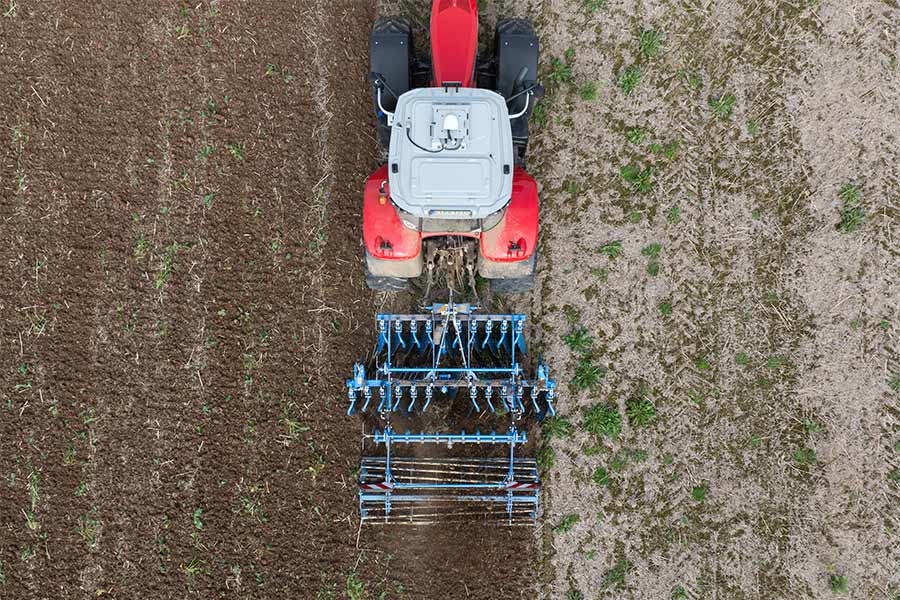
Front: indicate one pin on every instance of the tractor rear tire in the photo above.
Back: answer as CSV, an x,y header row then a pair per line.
x,y
517,49
391,54
386,284
514,285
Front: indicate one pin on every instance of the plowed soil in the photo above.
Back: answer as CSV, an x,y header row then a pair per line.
x,y
181,301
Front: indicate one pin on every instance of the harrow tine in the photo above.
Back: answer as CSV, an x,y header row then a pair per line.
x,y
473,394
382,336
398,395
549,400
368,396
413,394
503,328
488,326
351,396
398,335
429,328
382,394
519,338
413,328
488,392
429,391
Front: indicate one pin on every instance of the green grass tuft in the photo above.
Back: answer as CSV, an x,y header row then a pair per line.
x,y
630,78
650,43
894,383
236,150
612,249
640,411
722,105
699,492
546,458
556,426
673,215
603,420
838,583
166,265
693,79
579,341
667,150
567,523
561,69
852,213
615,577
636,135
588,91
587,374
355,588
805,456
639,179
87,530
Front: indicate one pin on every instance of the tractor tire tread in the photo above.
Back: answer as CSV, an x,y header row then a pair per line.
x,y
386,284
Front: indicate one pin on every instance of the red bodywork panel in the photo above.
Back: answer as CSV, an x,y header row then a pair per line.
x,y
515,237
383,231
512,240
454,41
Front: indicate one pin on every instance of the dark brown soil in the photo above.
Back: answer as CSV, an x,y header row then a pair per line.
x,y
179,310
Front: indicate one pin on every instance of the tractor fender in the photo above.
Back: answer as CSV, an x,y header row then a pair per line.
x,y
513,240
390,246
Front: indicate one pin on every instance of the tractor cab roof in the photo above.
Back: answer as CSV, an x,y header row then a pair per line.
x,y
451,153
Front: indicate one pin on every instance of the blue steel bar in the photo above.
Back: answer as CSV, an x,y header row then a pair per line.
x,y
436,486
515,369
524,499
512,437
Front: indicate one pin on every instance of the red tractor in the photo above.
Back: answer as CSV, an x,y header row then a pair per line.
x,y
453,194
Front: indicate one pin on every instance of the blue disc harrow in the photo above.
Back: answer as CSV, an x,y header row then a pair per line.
x,y
450,357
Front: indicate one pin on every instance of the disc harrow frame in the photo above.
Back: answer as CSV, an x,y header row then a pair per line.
x,y
447,349
457,334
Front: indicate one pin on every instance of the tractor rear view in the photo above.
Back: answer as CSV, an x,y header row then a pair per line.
x,y
452,203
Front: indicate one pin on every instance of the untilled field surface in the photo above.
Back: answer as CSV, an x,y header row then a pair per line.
x,y
719,292
182,299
